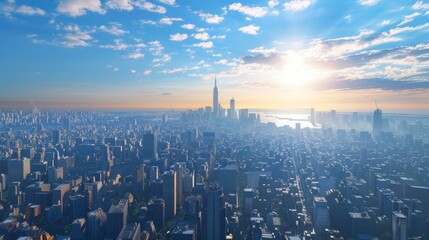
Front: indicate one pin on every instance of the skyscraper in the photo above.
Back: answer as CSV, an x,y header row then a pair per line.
x,y
377,121
231,112
96,224
215,100
117,218
150,145
213,213
169,193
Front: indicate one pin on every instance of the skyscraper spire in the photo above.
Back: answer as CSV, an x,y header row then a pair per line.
x,y
215,81
215,100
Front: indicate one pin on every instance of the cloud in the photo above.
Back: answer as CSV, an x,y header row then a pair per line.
x,y
250,29
76,39
77,8
297,5
368,2
27,10
385,23
202,36
409,18
263,50
188,26
211,18
374,83
179,69
164,58
156,48
114,28
167,94
148,6
419,5
178,37
251,11
135,55
119,45
120,5
147,72
272,59
348,18
208,44
169,21
168,2
219,37
273,3
147,22
133,71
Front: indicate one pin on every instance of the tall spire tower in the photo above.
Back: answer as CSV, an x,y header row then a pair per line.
x,y
215,100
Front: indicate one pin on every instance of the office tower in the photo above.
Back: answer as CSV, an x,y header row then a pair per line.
x,y
58,195
117,218
184,233
153,173
150,146
97,224
213,213
231,110
78,206
377,122
209,139
131,231
179,168
18,169
227,178
320,214
156,212
106,157
169,194
56,136
54,174
78,229
244,115
399,226
215,100
312,116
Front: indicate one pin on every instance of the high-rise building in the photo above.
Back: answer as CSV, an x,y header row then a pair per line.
x,y
399,226
169,194
78,206
56,136
150,146
215,100
131,231
320,214
214,213
18,169
231,111
377,121
96,224
58,194
156,212
117,218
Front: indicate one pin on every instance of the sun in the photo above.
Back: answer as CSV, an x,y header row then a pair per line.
x,y
297,73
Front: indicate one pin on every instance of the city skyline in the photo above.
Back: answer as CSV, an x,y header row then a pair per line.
x,y
293,54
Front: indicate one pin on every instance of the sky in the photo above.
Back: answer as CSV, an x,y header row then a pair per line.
x,y
165,54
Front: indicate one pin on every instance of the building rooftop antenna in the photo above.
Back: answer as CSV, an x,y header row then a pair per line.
x,y
376,105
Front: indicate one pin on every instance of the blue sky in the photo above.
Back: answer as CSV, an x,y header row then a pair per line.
x,y
275,54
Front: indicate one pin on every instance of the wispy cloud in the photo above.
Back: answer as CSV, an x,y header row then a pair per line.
x,y
247,10
297,5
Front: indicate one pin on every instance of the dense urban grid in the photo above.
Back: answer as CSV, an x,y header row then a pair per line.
x,y
212,174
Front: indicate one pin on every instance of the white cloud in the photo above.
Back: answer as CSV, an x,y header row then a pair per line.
x,y
119,45
147,22
211,18
135,55
208,44
133,71
297,5
250,29
178,37
219,37
251,11
76,39
419,5
156,48
368,2
273,3
164,58
147,72
202,36
77,8
148,6
168,2
385,22
188,26
114,29
262,50
409,18
27,10
348,18
169,21
120,5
